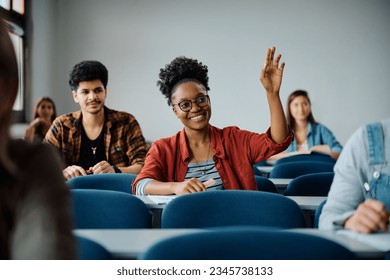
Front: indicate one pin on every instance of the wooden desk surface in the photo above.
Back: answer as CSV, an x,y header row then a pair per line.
x,y
130,243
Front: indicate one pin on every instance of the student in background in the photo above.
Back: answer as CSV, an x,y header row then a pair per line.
x,y
201,153
364,163
310,136
35,219
43,116
96,139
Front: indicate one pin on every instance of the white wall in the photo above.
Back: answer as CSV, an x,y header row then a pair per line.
x,y
336,50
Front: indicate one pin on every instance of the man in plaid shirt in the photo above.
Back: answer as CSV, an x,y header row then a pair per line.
x,y
96,139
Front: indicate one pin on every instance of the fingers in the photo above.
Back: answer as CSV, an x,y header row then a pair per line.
x,y
191,186
370,216
271,60
73,171
377,212
209,183
272,54
102,167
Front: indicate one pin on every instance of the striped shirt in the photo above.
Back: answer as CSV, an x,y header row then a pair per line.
x,y
202,171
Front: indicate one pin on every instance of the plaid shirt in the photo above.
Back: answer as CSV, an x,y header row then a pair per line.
x,y
123,139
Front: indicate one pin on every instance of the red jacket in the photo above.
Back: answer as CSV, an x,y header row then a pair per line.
x,y
235,152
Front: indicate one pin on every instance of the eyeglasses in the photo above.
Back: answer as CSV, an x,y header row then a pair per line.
x,y
186,105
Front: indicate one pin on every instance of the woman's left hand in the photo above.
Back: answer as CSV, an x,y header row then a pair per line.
x,y
272,72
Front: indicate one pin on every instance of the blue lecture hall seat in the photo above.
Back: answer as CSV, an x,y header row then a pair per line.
x,y
240,243
265,185
313,184
317,214
108,181
230,208
295,169
91,250
97,209
304,157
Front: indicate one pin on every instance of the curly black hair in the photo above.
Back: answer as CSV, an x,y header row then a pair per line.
x,y
89,70
180,70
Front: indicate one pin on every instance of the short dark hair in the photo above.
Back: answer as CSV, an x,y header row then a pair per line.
x,y
180,70
89,70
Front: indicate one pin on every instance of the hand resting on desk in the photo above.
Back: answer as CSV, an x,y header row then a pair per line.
x,y
370,216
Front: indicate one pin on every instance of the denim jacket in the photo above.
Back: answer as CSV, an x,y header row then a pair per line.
x,y
365,158
318,134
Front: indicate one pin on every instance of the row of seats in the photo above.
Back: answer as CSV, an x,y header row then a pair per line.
x,y
232,243
240,243
95,209
99,201
314,184
294,166
249,218
122,182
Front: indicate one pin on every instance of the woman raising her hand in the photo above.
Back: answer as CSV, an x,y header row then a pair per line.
x,y
202,156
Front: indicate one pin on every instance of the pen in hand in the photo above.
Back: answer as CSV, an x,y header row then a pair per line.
x,y
368,189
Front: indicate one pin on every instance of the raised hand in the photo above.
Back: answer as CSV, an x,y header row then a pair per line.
x,y
272,72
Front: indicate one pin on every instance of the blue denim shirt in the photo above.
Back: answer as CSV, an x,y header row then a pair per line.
x,y
365,158
318,134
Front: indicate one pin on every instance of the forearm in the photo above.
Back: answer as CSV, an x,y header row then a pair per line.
x,y
279,129
157,187
134,169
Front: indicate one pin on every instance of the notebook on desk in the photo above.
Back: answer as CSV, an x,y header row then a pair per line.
x,y
380,241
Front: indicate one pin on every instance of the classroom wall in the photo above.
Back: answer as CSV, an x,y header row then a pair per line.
x,y
336,50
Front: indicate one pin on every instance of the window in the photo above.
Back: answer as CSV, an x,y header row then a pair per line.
x,y
13,11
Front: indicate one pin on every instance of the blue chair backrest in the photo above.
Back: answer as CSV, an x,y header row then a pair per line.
x,y
311,157
298,168
247,244
97,209
91,250
317,214
108,181
313,184
265,185
232,208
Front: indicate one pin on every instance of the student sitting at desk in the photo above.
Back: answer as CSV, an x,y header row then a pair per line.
x,y
359,198
96,139
184,162
310,136
44,114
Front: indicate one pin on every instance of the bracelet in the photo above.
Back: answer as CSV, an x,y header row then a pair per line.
x,y
116,169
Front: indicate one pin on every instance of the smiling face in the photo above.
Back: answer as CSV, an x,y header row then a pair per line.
x,y
90,95
300,108
45,110
198,117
